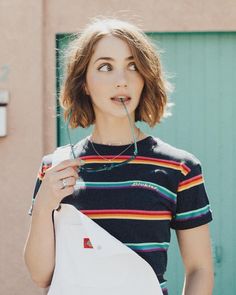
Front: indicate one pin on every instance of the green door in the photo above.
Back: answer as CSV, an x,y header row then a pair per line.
x,y
203,69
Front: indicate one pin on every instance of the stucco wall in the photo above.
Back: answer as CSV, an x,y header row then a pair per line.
x,y
27,71
21,53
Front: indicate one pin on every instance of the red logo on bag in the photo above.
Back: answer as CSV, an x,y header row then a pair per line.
x,y
87,243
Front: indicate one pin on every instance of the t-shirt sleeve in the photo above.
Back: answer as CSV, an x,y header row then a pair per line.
x,y
193,207
44,165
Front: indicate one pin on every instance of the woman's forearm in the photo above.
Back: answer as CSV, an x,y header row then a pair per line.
x,y
199,282
39,251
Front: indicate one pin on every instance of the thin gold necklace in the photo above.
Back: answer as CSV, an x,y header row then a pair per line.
x,y
117,155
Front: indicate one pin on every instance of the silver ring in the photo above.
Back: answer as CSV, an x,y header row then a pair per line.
x,y
63,183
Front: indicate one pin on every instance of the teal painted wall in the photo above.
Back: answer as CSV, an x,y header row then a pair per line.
x,y
203,69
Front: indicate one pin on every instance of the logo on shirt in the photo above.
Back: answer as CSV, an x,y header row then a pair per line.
x,y
145,185
87,243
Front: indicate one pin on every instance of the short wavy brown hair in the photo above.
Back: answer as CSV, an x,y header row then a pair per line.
x,y
77,105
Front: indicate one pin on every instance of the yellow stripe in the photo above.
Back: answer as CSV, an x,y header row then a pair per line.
x,y
115,216
189,185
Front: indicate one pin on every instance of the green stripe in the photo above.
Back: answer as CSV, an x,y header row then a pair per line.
x,y
193,213
131,183
167,192
163,285
147,245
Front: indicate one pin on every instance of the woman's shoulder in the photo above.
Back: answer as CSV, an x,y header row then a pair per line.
x,y
171,152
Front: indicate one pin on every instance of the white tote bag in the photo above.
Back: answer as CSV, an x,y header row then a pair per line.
x,y
90,261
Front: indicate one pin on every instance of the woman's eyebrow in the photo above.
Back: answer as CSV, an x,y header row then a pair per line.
x,y
110,58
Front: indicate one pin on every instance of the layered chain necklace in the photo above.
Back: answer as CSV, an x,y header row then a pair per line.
x,y
117,155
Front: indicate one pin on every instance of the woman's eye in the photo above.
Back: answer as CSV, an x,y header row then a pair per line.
x,y
133,64
109,66
103,66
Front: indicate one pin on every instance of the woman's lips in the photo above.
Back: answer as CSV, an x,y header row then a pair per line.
x,y
119,100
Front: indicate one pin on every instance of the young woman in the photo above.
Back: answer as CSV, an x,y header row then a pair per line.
x,y
114,79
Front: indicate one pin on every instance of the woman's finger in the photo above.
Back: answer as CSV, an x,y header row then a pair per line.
x,y
68,172
68,163
70,181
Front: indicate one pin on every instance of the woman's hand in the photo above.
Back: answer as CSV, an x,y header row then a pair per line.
x,y
39,251
52,189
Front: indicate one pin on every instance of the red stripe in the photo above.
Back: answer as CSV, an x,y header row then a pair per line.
x,y
179,166
185,167
137,158
191,180
139,212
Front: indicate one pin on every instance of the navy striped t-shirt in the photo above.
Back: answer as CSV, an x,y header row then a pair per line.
x,y
138,203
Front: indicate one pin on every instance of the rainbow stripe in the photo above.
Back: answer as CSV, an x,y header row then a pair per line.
x,y
194,214
191,182
163,191
42,170
184,169
128,214
130,184
148,247
139,160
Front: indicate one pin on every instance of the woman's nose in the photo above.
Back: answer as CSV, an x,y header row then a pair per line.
x,y
121,80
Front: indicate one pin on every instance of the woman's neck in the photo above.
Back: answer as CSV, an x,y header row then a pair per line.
x,y
115,134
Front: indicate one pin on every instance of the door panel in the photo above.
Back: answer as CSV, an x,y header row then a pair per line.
x,y
203,67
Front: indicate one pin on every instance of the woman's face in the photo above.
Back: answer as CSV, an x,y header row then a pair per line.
x,y
112,76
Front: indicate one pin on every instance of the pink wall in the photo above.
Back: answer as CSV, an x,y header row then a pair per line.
x,y
27,51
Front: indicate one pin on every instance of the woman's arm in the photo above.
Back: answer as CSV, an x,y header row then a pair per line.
x,y
39,250
39,253
195,248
